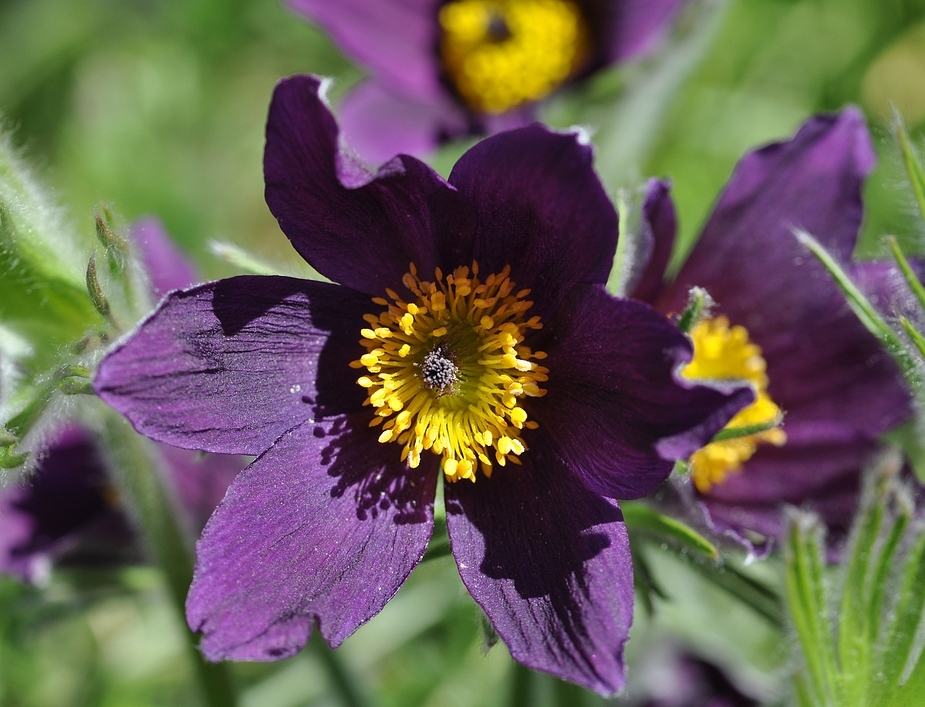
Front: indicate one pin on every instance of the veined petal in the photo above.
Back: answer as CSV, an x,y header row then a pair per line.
x,y
549,563
542,210
229,366
326,526
614,404
356,228
395,39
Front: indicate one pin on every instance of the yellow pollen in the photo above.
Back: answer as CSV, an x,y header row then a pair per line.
x,y
453,366
722,352
500,54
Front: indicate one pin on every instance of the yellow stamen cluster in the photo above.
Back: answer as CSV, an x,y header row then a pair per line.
x,y
500,54
722,352
447,370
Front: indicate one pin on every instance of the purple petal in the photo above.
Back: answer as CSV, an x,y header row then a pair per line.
x,y
614,407
380,124
326,525
659,224
60,511
356,228
395,39
640,26
229,366
168,268
542,210
549,563
823,365
824,478
199,480
885,287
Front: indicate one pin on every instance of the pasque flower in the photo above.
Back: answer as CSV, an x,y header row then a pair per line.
x,y
68,511
781,322
445,68
470,330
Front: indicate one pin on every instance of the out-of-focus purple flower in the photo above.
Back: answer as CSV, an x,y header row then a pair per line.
x,y
444,68
838,388
67,511
674,677
552,406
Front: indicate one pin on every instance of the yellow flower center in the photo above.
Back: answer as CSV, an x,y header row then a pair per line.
x,y
724,352
448,368
499,54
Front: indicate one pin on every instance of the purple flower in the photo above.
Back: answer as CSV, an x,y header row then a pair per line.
x,y
671,676
780,313
68,512
445,68
426,354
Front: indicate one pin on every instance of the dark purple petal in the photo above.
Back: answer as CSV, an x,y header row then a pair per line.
x,y
229,366
658,227
822,363
885,287
822,477
326,525
356,228
167,266
541,209
639,26
549,563
61,510
395,39
614,407
379,123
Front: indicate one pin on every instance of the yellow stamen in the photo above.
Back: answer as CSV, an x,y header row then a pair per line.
x,y
722,352
453,366
500,54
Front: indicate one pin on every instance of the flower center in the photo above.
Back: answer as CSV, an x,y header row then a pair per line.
x,y
447,370
721,352
499,54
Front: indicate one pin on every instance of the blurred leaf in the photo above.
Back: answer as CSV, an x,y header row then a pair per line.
x,y
638,516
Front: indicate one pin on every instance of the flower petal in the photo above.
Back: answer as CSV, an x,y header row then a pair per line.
x,y
659,225
615,409
356,228
229,366
639,26
395,39
168,268
326,525
822,363
824,478
542,210
379,123
549,563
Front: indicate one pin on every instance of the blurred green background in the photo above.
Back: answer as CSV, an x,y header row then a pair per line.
x,y
158,107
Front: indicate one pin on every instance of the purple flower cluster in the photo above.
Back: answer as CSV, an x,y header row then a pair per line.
x,y
426,355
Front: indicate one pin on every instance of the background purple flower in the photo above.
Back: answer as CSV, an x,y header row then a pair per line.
x,y
67,511
328,522
838,388
412,102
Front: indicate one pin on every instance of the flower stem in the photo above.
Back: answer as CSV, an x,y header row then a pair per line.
x,y
343,682
133,468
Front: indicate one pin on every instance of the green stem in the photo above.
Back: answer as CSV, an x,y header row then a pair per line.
x,y
134,469
345,684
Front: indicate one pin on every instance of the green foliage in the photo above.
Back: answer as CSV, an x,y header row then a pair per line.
x,y
857,629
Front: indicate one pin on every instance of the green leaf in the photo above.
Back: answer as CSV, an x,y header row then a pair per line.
x,y
865,311
912,162
908,273
806,595
699,303
641,517
748,430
